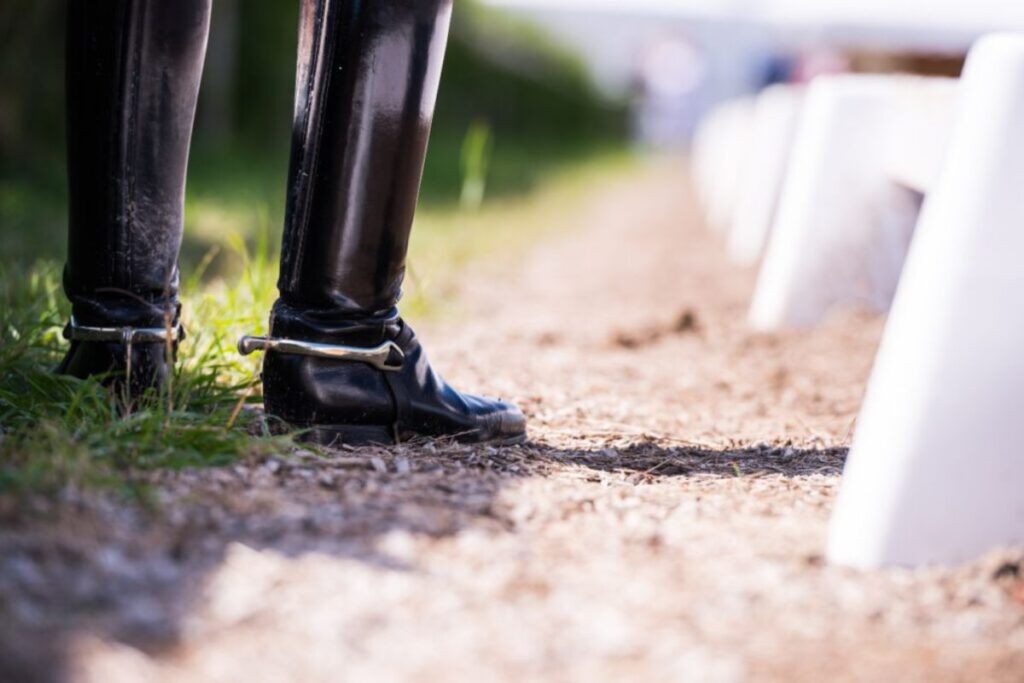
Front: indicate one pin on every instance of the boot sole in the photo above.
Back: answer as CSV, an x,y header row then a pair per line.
x,y
332,436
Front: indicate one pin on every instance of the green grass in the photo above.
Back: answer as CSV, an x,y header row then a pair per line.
x,y
57,432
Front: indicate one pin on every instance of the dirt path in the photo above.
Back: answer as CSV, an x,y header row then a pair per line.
x,y
665,523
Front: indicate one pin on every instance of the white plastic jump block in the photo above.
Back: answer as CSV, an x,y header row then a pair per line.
x,y
720,146
936,474
775,118
843,225
921,122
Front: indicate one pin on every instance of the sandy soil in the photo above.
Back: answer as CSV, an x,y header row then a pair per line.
x,y
666,521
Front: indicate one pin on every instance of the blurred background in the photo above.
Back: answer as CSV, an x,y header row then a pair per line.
x,y
531,88
514,108
536,96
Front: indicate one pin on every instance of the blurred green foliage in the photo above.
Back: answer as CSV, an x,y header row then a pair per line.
x,y
534,99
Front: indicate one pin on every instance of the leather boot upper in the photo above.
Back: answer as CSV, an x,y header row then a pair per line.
x,y
133,69
367,81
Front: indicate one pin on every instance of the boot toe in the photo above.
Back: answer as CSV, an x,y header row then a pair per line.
x,y
511,425
504,423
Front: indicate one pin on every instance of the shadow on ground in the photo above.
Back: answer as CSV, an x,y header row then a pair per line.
x,y
130,573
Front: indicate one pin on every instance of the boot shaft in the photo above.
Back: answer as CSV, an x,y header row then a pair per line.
x,y
366,86
367,81
133,70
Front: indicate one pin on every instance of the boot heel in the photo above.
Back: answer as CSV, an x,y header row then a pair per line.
x,y
331,436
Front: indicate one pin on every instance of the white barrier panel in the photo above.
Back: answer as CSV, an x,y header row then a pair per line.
x,y
775,118
936,474
921,123
843,226
700,160
720,149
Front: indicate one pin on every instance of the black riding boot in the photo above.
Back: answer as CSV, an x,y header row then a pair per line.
x,y
133,69
341,361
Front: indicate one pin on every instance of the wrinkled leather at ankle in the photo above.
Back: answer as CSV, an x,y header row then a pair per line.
x,y
332,326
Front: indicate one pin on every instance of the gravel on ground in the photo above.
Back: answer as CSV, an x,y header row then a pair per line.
x,y
665,522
